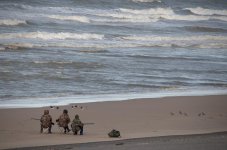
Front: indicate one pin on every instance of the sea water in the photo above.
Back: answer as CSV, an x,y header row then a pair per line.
x,y
55,52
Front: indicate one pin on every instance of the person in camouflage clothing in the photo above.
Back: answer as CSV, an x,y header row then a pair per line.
x,y
77,125
46,121
64,120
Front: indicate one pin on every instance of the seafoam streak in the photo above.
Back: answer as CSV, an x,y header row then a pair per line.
x,y
170,38
51,36
12,22
203,11
70,18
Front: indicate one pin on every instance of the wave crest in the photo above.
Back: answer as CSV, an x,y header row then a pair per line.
x,y
70,18
147,1
203,11
169,38
12,22
51,36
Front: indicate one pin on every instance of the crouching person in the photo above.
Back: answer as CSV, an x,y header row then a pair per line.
x,y
46,121
77,125
64,120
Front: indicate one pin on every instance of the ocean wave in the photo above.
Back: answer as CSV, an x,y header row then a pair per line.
x,y
70,18
134,15
51,36
150,15
101,48
147,1
12,22
73,64
203,11
192,17
151,11
203,29
180,38
168,13
16,46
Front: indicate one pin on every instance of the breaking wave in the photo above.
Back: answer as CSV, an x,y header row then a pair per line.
x,y
203,29
16,46
70,18
51,36
169,38
203,11
147,1
12,22
152,11
152,15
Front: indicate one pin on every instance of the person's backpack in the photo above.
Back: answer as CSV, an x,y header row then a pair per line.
x,y
114,133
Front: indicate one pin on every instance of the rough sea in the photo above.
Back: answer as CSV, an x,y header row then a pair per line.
x,y
55,52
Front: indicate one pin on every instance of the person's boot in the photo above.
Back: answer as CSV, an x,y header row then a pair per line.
x,y
49,130
41,129
65,130
81,131
68,129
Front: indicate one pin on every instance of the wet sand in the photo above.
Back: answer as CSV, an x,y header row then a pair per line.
x,y
139,118
212,141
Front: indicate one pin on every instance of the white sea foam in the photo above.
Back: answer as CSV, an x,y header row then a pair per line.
x,y
203,11
146,1
180,38
2,48
150,15
152,11
192,17
70,18
12,22
51,36
133,15
14,46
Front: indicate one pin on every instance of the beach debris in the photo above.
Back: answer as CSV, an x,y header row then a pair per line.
x,y
79,107
201,114
121,143
180,112
172,114
185,114
54,107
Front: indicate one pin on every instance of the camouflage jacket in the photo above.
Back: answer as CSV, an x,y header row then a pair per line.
x,y
64,120
46,121
76,124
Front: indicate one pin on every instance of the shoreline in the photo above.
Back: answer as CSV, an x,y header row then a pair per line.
x,y
63,101
136,118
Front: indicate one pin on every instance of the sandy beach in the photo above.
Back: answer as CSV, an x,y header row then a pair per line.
x,y
137,118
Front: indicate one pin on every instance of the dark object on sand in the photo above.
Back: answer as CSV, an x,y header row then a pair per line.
x,y
121,143
114,133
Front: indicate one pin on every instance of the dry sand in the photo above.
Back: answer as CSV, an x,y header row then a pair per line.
x,y
134,118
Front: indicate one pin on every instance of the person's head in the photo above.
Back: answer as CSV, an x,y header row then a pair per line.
x,y
46,112
65,111
77,116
